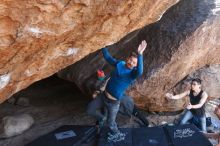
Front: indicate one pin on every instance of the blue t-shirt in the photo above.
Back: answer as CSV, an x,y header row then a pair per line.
x,y
121,77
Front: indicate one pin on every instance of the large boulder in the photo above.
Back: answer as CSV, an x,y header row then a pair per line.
x,y
40,37
15,125
185,39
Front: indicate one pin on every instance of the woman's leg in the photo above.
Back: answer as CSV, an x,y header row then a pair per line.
x,y
187,116
202,122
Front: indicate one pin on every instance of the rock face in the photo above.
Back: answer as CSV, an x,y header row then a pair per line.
x,y
210,76
40,37
185,39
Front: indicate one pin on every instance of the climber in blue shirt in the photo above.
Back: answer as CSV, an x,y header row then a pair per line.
x,y
124,74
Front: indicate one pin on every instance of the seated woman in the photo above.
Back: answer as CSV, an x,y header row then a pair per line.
x,y
196,107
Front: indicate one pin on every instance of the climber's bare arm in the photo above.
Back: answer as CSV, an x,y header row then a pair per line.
x,y
178,96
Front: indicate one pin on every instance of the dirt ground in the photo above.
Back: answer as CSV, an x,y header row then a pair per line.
x,y
55,102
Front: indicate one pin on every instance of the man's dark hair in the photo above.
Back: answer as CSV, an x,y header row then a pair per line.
x,y
199,81
133,54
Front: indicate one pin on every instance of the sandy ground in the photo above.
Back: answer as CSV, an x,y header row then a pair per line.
x,y
55,102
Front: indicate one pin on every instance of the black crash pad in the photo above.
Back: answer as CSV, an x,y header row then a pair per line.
x,y
181,135
186,135
153,136
68,135
127,142
75,135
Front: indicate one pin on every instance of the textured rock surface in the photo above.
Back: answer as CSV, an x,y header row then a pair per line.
x,y
184,40
40,37
15,125
210,76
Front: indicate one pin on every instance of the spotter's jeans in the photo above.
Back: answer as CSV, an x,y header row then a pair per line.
x,y
111,106
188,116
